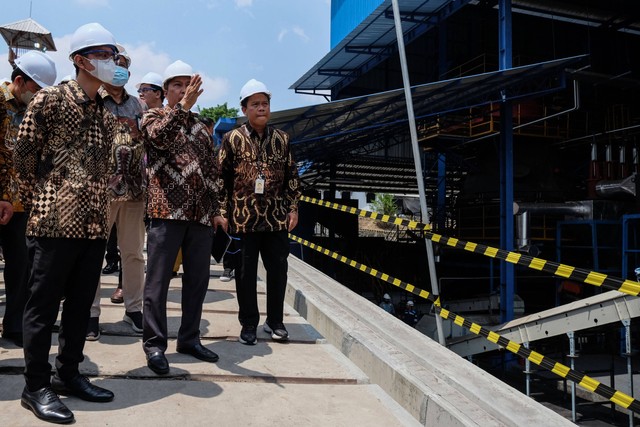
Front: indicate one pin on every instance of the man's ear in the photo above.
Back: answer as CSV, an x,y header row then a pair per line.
x,y
18,81
79,61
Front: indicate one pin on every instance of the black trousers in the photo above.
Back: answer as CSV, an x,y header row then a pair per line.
x,y
164,238
231,259
60,267
16,270
113,254
274,248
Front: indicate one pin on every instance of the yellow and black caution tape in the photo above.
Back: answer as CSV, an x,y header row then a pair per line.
x,y
630,287
368,214
368,270
591,384
594,278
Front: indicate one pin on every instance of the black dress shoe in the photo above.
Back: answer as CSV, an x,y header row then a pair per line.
x,y
158,363
112,267
200,352
79,386
46,405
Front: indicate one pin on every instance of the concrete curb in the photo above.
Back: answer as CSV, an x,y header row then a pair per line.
x,y
433,384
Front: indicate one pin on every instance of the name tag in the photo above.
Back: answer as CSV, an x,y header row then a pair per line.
x,y
259,188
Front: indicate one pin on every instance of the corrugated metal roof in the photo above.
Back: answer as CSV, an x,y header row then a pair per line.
x,y
373,41
343,133
24,34
324,131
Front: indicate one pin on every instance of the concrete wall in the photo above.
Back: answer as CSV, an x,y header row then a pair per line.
x,y
432,383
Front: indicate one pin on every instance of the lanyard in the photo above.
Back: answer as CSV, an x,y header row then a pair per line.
x,y
259,153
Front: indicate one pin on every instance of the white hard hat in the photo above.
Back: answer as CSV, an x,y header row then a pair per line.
x,y
89,35
38,66
386,296
177,69
151,79
410,303
123,53
252,87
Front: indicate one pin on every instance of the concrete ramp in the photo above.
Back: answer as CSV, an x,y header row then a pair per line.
x,y
432,383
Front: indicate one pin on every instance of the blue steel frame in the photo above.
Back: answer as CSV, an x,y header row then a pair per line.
x,y
507,270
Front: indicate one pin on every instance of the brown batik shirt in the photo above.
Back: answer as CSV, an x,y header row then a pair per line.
x,y
244,157
11,113
61,159
181,168
128,181
4,166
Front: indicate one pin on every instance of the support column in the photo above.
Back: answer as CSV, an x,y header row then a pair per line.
x,y
572,356
441,207
417,160
627,339
507,270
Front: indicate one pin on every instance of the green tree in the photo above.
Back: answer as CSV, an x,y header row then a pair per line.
x,y
220,110
384,204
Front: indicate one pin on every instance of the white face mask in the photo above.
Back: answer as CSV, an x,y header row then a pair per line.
x,y
103,69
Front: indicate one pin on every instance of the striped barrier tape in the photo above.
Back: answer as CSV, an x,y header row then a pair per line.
x,y
563,371
630,287
367,214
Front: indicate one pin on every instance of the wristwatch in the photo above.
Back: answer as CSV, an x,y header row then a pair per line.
x,y
180,107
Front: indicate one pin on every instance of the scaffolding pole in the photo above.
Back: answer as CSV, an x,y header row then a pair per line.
x,y
417,159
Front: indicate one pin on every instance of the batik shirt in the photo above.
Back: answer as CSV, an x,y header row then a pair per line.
x,y
244,157
182,171
61,159
11,113
128,180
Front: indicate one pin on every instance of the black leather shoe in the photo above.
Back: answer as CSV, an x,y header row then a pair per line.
x,y
112,267
79,386
200,352
158,363
46,405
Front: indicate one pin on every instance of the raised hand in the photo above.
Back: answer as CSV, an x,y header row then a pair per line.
x,y
192,92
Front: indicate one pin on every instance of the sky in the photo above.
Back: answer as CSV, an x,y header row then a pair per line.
x,y
227,42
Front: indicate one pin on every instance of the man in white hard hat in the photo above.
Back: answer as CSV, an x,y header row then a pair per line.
x,y
33,71
112,256
128,192
259,199
387,304
410,315
61,159
150,90
183,209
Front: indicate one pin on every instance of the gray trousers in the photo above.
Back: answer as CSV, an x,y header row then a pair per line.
x,y
164,239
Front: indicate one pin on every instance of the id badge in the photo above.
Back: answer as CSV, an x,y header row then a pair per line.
x,y
259,188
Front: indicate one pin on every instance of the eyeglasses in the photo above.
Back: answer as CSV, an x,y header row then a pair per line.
x,y
146,89
101,54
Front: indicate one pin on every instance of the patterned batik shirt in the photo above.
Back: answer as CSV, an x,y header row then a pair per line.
x,y
61,159
244,157
182,171
128,179
6,155
11,113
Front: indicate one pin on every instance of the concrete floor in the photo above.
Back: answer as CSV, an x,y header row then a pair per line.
x,y
304,382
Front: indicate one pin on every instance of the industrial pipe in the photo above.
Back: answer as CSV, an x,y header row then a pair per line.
x,y
625,186
522,219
